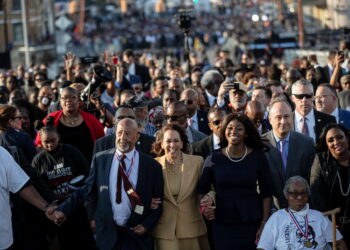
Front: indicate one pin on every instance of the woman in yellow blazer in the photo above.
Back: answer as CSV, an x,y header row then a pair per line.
x,y
181,226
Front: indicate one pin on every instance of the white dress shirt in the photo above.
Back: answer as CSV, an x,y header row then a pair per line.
x,y
298,123
122,211
132,69
216,141
335,113
194,122
211,98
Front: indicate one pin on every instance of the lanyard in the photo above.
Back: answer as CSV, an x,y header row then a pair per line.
x,y
128,170
305,234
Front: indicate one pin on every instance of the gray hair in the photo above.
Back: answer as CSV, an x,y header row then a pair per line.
x,y
302,82
211,78
295,179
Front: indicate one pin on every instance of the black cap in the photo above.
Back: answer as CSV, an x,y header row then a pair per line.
x,y
136,102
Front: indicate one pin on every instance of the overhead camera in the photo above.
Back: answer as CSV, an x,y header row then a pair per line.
x,y
184,19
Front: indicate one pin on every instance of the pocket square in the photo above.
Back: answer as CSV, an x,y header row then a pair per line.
x,y
103,188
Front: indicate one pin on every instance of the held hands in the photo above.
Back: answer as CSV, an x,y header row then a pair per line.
x,y
139,229
54,215
206,207
155,203
258,233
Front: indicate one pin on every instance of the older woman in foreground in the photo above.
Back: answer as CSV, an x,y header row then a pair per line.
x,y
298,227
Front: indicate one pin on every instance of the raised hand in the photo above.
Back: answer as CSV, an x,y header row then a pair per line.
x,y
68,60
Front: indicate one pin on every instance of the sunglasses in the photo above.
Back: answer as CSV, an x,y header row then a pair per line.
x,y
301,96
137,88
173,117
190,102
123,117
216,122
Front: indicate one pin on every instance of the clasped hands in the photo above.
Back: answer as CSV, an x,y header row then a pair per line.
x,y
54,215
207,208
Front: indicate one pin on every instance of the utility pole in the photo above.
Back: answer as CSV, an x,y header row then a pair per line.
x,y
300,23
25,33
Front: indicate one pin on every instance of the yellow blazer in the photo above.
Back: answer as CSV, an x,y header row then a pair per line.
x,y
182,218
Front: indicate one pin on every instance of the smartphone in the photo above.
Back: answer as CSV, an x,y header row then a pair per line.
x,y
88,59
234,85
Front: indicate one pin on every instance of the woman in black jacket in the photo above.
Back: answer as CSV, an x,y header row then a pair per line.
x,y
330,175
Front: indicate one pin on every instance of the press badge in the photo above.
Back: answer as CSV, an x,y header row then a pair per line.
x,y
138,209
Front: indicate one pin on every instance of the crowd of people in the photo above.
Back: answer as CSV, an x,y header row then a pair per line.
x,y
129,154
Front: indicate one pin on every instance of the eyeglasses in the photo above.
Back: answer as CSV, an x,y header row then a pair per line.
x,y
173,117
295,195
301,96
39,79
69,98
216,122
321,96
137,88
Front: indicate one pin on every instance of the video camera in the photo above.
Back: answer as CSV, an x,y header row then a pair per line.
x,y
184,19
100,75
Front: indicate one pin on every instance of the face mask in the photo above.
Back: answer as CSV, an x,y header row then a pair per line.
x,y
45,101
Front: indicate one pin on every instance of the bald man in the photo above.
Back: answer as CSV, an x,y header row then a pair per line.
x,y
119,190
255,111
177,113
197,118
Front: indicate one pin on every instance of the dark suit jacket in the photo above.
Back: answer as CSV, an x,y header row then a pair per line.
x,y
203,147
301,154
143,73
144,144
344,118
344,99
202,117
321,120
149,184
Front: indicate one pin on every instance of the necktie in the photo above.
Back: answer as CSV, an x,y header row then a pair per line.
x,y
283,154
304,128
119,179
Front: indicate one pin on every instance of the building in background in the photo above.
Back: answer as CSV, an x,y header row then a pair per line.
x,y
40,30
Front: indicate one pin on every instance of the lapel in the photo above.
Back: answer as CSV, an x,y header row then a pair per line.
x,y
187,176
142,174
167,192
108,164
292,153
276,155
210,143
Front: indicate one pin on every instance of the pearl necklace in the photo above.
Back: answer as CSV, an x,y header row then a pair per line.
x,y
241,159
341,186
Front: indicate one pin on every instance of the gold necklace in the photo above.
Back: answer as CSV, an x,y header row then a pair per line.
x,y
70,122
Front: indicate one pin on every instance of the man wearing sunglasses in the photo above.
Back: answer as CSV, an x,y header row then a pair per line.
x,y
197,118
307,120
143,144
205,146
176,113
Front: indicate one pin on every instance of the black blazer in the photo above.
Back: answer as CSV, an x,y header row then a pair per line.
x,y
143,73
149,184
203,147
321,120
144,144
202,117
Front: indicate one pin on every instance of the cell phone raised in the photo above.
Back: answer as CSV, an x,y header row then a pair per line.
x,y
234,85
88,59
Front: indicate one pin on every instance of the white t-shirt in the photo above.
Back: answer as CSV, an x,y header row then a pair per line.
x,y
12,179
280,232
